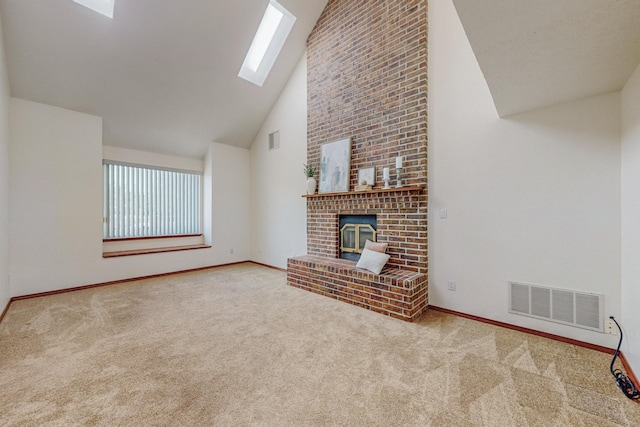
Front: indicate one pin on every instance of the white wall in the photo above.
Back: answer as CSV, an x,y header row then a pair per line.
x,y
231,210
128,155
278,212
631,218
56,205
5,291
533,198
56,202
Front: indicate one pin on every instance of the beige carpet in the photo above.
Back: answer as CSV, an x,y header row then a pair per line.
x,y
237,346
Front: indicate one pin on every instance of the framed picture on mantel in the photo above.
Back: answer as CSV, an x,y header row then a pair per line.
x,y
335,166
367,176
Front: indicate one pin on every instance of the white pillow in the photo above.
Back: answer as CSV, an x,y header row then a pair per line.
x,y
372,261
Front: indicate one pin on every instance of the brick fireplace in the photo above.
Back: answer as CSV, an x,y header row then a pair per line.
x,y
367,80
401,222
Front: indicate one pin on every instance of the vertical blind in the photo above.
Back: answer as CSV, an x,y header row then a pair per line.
x,y
144,201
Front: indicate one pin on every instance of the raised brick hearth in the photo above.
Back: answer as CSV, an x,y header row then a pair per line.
x,y
401,289
395,292
367,80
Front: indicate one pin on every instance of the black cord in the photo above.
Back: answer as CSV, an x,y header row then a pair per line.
x,y
622,381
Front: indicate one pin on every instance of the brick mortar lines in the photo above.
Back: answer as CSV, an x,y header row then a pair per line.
x,y
367,79
405,297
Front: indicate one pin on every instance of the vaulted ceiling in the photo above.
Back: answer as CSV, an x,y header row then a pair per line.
x,y
536,53
162,73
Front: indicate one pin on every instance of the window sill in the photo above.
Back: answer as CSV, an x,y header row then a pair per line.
x,y
114,254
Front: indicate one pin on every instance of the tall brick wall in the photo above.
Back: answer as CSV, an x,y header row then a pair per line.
x,y
367,79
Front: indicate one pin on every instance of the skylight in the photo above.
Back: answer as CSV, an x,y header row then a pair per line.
x,y
272,32
103,7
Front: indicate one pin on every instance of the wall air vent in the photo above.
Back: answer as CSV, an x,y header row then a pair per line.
x,y
579,309
274,140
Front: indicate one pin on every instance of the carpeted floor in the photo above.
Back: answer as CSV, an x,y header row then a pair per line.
x,y
236,346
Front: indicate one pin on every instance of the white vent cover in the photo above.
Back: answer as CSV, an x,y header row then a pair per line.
x,y
582,310
274,140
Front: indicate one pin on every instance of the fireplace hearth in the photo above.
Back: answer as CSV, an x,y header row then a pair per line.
x,y
401,289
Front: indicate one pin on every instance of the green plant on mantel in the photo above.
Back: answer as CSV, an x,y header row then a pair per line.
x,y
309,171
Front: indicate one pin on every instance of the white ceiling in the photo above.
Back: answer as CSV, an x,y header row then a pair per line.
x,y
162,73
536,53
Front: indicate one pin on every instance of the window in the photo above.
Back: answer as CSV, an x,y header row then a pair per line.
x,y
147,201
103,7
272,32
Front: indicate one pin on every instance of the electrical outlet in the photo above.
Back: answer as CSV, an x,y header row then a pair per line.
x,y
610,327
452,285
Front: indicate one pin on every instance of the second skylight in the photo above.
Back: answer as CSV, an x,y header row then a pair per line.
x,y
273,31
103,7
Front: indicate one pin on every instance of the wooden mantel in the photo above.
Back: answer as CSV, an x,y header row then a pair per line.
x,y
412,188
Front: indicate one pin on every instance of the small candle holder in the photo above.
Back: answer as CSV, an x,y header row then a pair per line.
x,y
399,176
